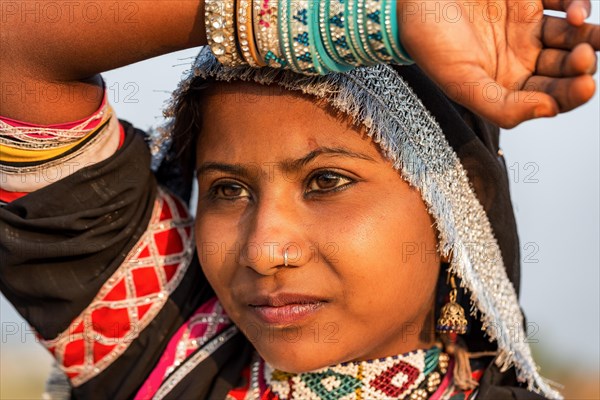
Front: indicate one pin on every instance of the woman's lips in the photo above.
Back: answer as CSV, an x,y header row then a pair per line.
x,y
287,314
285,308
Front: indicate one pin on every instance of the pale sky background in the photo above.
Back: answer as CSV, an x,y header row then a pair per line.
x,y
554,170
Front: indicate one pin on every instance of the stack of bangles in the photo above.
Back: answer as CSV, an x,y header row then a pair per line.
x,y
311,37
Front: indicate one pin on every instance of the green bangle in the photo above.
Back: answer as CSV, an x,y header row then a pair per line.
x,y
374,37
303,56
351,29
321,60
284,35
360,27
336,33
320,40
391,35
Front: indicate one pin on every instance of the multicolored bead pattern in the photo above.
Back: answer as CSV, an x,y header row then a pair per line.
x,y
266,383
246,33
284,34
414,375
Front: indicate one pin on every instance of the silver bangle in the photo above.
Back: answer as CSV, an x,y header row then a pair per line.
x,y
220,31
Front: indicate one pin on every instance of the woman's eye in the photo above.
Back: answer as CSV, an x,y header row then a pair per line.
x,y
229,191
328,181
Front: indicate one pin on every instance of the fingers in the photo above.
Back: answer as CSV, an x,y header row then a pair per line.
x,y
504,107
569,93
559,34
563,64
577,10
542,97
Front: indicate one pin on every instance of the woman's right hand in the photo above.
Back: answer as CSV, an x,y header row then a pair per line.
x,y
505,59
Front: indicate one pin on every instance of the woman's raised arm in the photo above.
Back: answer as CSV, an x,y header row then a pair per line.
x,y
52,52
504,59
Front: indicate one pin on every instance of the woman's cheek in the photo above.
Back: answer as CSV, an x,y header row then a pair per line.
x,y
209,251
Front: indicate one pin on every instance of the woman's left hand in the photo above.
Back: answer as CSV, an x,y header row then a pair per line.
x,y
505,59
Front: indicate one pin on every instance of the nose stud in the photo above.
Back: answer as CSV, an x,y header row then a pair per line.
x,y
285,257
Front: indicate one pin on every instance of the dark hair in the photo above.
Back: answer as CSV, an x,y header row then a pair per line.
x,y
176,172
188,123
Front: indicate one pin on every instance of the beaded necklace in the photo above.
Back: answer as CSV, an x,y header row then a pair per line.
x,y
415,375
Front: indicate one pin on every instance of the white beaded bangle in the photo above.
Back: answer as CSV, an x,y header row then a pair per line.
x,y
284,35
299,38
363,40
337,35
245,33
266,32
220,31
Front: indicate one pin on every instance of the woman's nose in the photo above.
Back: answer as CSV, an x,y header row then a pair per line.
x,y
274,238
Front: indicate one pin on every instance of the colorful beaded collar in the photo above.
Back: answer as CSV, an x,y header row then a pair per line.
x,y
415,375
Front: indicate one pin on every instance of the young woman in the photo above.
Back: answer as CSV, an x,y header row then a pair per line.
x,y
333,227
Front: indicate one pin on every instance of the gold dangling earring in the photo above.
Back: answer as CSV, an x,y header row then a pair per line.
x,y
452,319
452,322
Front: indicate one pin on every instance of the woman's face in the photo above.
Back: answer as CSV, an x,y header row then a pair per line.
x,y
276,171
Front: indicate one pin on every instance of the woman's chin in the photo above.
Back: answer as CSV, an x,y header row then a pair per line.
x,y
297,358
295,367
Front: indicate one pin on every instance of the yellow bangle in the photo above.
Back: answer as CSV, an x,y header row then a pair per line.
x,y
245,32
11,154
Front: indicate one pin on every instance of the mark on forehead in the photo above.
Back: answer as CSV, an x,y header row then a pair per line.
x,y
312,143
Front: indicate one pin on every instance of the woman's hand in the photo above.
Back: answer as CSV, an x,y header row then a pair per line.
x,y
505,59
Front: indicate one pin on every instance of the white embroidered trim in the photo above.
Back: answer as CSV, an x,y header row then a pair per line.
x,y
86,333
193,361
29,179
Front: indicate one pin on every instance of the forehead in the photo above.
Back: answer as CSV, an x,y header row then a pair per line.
x,y
243,117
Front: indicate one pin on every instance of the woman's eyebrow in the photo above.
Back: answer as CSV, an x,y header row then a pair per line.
x,y
288,165
234,169
291,165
